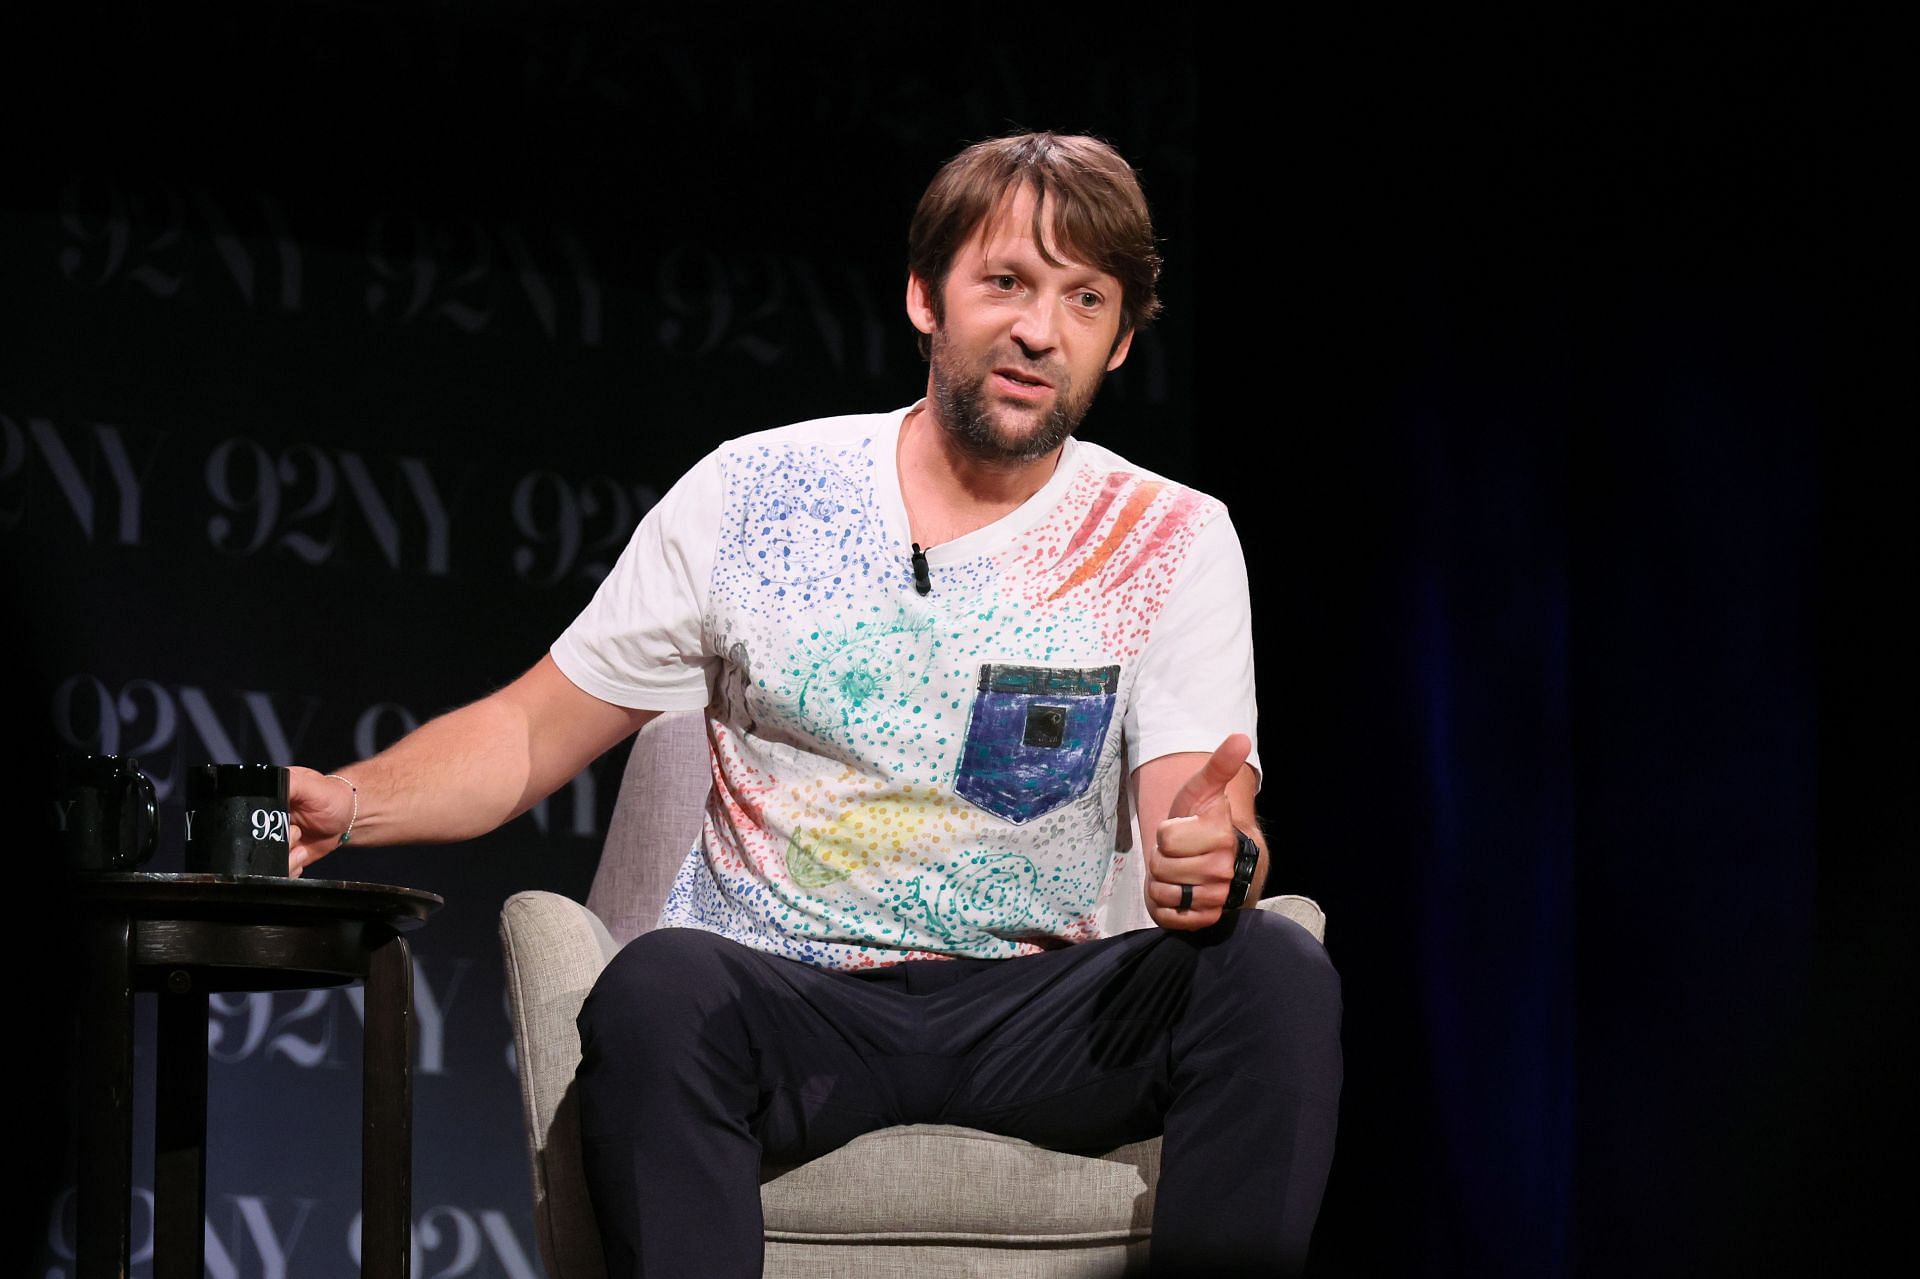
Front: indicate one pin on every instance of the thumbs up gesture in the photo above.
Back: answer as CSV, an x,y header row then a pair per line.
x,y
1193,850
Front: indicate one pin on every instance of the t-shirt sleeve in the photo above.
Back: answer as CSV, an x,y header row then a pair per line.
x,y
1196,676
642,640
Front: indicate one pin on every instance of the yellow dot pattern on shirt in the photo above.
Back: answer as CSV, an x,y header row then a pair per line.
x,y
879,834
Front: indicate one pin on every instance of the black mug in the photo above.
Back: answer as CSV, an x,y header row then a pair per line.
x,y
104,814
237,819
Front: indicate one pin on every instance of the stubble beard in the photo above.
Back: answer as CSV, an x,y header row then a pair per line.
x,y
960,396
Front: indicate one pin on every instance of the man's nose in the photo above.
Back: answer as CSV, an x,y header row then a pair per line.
x,y
1036,328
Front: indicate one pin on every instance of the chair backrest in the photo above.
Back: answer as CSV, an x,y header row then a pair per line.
x,y
656,821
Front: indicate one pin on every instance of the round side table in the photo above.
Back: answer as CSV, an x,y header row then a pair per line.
x,y
183,937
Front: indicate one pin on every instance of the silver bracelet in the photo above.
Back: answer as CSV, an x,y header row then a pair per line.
x,y
346,836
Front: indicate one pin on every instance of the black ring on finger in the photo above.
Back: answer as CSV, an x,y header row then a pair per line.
x,y
1186,899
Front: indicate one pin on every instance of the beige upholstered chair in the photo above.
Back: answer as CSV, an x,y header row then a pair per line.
x,y
922,1201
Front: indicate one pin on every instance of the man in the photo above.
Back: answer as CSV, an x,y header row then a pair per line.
x,y
925,642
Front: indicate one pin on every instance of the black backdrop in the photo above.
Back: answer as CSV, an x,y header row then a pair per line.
x,y
343,344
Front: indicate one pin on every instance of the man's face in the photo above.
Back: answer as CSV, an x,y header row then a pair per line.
x,y
1024,343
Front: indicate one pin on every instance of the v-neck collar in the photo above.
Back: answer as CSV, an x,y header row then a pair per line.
x,y
988,537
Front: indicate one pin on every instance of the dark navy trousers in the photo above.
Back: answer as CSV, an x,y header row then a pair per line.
x,y
701,1057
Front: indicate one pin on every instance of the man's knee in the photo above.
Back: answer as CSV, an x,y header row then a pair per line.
x,y
662,984
1272,970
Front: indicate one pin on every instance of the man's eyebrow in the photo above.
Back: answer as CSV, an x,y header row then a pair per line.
x,y
1080,272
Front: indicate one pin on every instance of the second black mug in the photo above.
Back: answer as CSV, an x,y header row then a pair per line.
x,y
104,814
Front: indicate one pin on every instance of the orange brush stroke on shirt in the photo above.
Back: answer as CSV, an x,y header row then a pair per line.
x,y
1108,491
1136,505
1172,522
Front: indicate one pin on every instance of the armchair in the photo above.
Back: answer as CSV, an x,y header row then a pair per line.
x,y
925,1200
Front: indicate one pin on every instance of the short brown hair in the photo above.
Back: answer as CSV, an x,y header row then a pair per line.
x,y
1099,214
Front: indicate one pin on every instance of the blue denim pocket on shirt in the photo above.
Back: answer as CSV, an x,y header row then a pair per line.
x,y
1034,737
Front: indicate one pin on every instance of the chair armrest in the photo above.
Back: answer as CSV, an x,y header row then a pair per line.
x,y
554,949
1303,911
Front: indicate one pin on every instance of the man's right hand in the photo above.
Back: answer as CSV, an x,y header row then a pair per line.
x,y
318,811
462,774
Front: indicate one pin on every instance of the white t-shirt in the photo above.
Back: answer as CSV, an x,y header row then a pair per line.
x,y
904,776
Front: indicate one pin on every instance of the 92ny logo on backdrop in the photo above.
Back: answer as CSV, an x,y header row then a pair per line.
x,y
311,504
279,1237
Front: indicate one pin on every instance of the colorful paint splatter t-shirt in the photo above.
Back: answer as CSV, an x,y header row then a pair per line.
x,y
902,776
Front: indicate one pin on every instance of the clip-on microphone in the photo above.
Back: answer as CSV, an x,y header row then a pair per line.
x,y
921,581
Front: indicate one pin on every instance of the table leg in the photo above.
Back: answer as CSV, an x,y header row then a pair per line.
x,y
386,1133
103,1222
180,1135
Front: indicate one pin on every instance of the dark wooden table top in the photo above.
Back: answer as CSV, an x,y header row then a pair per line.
x,y
253,897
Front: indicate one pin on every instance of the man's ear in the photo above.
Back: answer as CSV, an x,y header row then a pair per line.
x,y
1120,350
920,304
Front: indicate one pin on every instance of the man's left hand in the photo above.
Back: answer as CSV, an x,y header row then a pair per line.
x,y
1197,844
